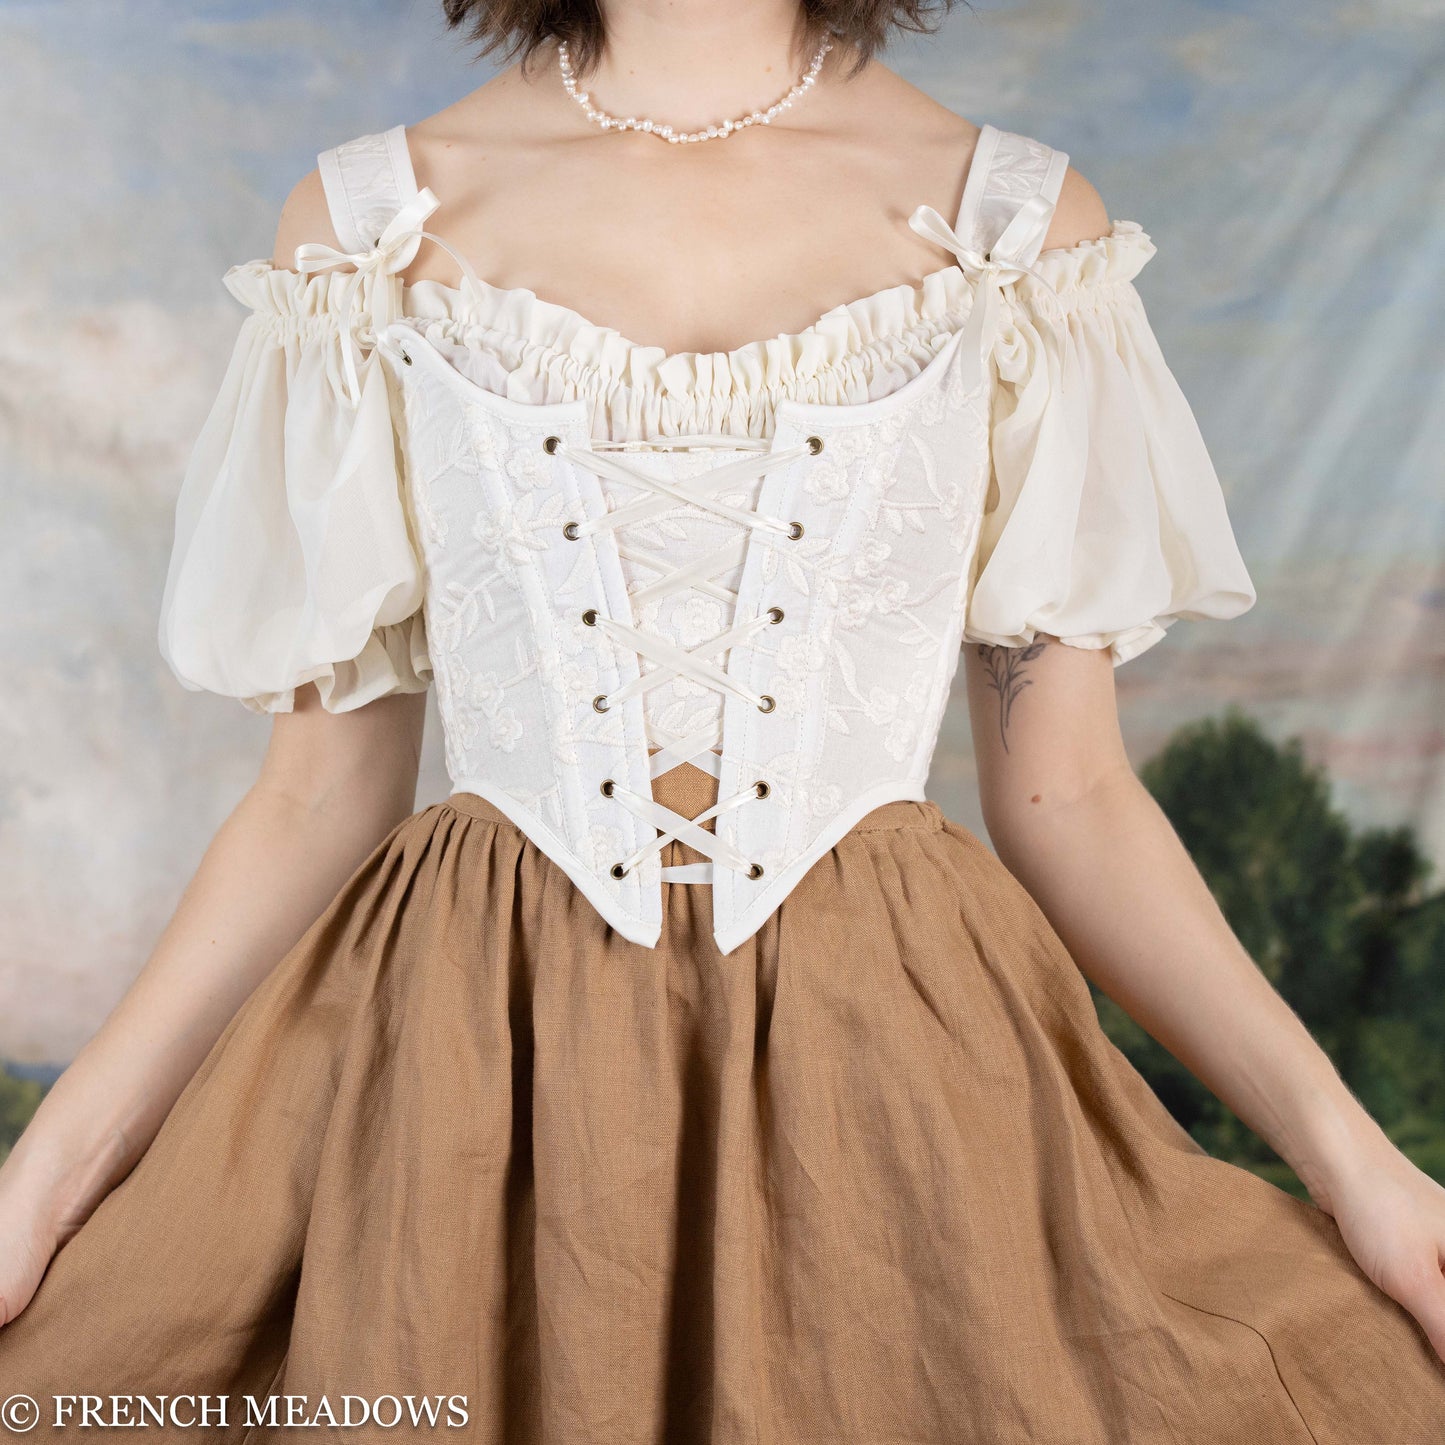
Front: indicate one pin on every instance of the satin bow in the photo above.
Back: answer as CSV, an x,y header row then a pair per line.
x,y
385,258
994,268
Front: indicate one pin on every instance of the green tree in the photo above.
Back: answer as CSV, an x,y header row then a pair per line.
x,y
19,1099
1339,921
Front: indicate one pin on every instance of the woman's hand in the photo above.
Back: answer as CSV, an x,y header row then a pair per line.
x,y
29,1235
1073,823
26,1245
331,787
49,1186
1391,1216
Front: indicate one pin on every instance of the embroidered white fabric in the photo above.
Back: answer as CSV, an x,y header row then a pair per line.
x,y
841,640
271,590
398,483
988,472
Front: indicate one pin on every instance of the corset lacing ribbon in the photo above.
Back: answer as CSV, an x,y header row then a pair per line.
x,y
367,292
994,268
670,660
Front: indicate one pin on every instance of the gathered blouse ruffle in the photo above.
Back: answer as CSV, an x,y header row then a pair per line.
x,y
294,559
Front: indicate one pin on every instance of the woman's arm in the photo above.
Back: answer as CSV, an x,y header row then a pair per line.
x,y
1070,819
332,785
1072,822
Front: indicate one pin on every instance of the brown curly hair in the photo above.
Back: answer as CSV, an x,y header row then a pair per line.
x,y
515,28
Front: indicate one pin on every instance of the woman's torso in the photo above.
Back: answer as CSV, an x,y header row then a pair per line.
x,y
829,495
531,350
789,617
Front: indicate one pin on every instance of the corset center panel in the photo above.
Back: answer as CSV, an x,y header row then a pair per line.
x,y
682,511
683,566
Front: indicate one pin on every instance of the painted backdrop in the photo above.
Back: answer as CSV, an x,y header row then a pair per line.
x,y
1285,157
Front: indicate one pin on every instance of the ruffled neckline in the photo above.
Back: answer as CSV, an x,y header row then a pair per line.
x,y
514,341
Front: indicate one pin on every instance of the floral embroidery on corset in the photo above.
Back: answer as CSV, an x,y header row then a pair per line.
x,y
864,562
806,621
879,572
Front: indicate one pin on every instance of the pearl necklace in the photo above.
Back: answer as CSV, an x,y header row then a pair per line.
x,y
665,132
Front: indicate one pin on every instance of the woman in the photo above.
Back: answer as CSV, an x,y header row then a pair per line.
x,y
685,1075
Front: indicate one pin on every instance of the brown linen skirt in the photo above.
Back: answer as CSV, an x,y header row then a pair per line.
x,y
876,1176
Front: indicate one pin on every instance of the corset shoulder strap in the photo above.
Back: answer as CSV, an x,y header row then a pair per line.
x,y
367,181
1007,171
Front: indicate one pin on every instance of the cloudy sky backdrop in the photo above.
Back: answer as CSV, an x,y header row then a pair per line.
x,y
1285,157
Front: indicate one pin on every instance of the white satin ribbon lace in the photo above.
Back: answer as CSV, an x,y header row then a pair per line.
x,y
994,268
671,661
367,291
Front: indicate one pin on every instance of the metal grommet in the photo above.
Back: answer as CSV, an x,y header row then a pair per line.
x,y
795,530
767,703
815,445
550,445
756,871
570,531
607,786
618,871
600,703
761,788
775,615
590,617
405,356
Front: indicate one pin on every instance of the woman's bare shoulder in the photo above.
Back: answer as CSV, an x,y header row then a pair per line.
x,y
483,119
305,216
880,102
509,119
1079,214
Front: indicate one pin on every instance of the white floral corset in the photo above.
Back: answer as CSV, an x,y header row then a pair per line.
x,y
398,484
785,612
679,443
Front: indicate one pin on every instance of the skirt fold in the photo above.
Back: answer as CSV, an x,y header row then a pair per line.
x,y
876,1176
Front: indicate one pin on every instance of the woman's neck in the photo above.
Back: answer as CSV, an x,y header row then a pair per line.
x,y
689,63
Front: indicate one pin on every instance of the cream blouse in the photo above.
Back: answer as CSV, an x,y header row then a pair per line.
x,y
294,560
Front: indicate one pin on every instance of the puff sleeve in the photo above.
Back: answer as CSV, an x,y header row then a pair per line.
x,y
293,560
1105,520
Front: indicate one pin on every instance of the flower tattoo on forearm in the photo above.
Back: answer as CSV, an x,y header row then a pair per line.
x,y
1006,667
